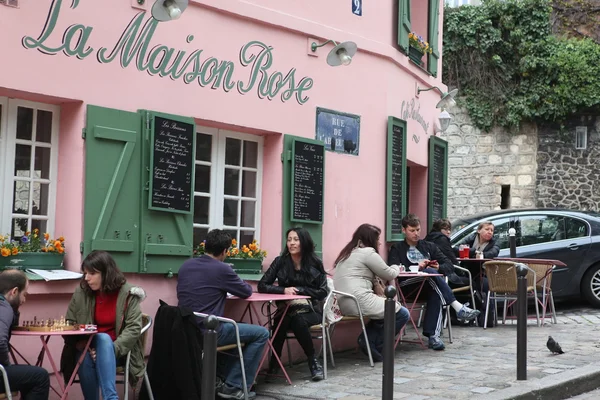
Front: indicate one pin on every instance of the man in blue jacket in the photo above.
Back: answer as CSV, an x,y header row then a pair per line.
x,y
202,286
414,251
32,382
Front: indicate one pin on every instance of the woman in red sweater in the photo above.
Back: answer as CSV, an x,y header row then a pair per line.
x,y
106,300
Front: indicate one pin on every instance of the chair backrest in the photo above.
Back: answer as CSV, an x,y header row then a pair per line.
x,y
146,324
331,308
502,276
541,271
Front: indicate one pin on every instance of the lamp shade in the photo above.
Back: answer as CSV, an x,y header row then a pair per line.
x,y
447,99
444,119
167,10
342,54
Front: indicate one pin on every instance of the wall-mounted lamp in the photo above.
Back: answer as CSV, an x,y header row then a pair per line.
x,y
168,10
341,54
444,119
447,97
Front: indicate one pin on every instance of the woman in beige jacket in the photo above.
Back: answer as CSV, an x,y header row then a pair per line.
x,y
359,270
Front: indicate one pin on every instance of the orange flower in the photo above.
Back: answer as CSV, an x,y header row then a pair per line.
x,y
45,249
5,252
60,250
50,248
57,243
15,251
36,231
235,252
228,253
234,242
245,249
62,239
46,236
27,233
253,246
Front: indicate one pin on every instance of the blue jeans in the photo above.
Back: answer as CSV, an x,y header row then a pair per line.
x,y
228,366
375,328
101,373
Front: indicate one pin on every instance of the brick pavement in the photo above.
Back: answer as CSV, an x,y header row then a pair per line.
x,y
479,364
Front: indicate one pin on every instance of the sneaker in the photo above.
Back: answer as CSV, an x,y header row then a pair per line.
x,y
377,357
219,382
436,343
316,370
467,314
230,392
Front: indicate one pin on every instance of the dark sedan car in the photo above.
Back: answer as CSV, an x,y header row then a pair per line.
x,y
572,237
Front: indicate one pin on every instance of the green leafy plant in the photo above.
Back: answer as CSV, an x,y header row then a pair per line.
x,y
510,68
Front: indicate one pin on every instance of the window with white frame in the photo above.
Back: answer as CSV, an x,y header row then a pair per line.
x,y
228,174
28,172
581,137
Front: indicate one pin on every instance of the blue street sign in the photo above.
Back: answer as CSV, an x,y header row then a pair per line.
x,y
357,7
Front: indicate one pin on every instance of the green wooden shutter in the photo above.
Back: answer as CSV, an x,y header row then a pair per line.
x,y
434,22
166,237
113,185
314,229
437,199
403,24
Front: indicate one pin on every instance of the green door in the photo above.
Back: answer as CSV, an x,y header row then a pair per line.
x,y
112,185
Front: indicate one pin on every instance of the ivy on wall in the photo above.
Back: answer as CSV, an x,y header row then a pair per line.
x,y
510,68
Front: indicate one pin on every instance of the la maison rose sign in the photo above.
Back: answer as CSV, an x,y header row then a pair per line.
x,y
136,46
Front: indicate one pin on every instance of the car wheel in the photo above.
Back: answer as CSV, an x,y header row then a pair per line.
x,y
590,286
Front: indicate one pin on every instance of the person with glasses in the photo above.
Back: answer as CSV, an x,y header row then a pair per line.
x,y
414,251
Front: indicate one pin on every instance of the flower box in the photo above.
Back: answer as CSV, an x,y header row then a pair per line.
x,y
245,265
33,260
415,55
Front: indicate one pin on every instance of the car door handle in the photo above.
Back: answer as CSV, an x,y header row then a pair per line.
x,y
573,246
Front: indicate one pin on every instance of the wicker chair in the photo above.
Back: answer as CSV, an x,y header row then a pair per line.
x,y
502,279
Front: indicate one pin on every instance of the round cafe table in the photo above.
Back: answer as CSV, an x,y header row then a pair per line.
x,y
63,390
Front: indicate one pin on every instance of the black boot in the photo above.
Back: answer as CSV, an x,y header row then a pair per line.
x,y
272,371
316,370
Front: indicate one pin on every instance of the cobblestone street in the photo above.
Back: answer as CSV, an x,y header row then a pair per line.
x,y
478,364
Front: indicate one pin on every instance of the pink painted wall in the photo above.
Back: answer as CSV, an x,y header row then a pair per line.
x,y
380,82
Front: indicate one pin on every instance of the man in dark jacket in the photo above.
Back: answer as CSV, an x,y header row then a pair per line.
x,y
202,286
32,382
413,251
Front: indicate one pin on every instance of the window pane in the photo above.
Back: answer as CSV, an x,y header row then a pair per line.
x,y
201,209
202,179
233,151
501,228
230,212
576,228
234,235
40,198
18,228
232,182
248,215
44,126
22,160
42,163
203,147
249,184
531,230
39,224
24,123
21,197
250,154
246,237
199,235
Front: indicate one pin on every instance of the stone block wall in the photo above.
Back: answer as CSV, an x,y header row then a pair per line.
x,y
480,163
568,177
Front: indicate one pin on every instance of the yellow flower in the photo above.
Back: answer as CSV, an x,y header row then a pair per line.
x,y
1,238
36,231
5,252
249,254
46,236
228,253
235,252
15,251
245,249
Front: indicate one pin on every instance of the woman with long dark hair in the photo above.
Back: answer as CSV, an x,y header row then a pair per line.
x,y
105,299
298,271
360,270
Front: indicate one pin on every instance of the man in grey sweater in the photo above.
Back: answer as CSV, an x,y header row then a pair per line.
x,y
32,382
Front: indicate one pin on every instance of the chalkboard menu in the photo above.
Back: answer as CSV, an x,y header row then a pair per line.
x,y
438,164
172,165
308,172
396,178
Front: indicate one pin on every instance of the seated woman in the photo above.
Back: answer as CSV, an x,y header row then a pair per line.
x,y
357,268
298,271
106,300
440,236
482,241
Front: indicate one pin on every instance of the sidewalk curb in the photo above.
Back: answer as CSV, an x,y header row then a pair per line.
x,y
553,387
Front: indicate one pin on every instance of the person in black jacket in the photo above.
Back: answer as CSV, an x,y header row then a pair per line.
x,y
298,271
413,251
482,241
440,236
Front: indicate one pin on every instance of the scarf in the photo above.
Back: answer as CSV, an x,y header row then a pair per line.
x,y
479,246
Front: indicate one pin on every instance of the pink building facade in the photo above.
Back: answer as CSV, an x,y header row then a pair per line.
x,y
244,76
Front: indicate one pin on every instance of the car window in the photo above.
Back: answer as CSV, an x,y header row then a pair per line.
x,y
576,228
536,229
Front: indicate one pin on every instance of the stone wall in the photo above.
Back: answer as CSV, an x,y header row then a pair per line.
x,y
568,177
481,163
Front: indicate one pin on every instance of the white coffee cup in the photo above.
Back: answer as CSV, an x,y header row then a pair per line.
x,y
414,268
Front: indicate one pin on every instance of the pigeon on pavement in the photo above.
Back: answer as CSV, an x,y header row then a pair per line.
x,y
553,346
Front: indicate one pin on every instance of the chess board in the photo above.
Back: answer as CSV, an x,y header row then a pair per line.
x,y
47,325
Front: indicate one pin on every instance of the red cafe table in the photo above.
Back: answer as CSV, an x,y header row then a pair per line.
x,y
62,391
